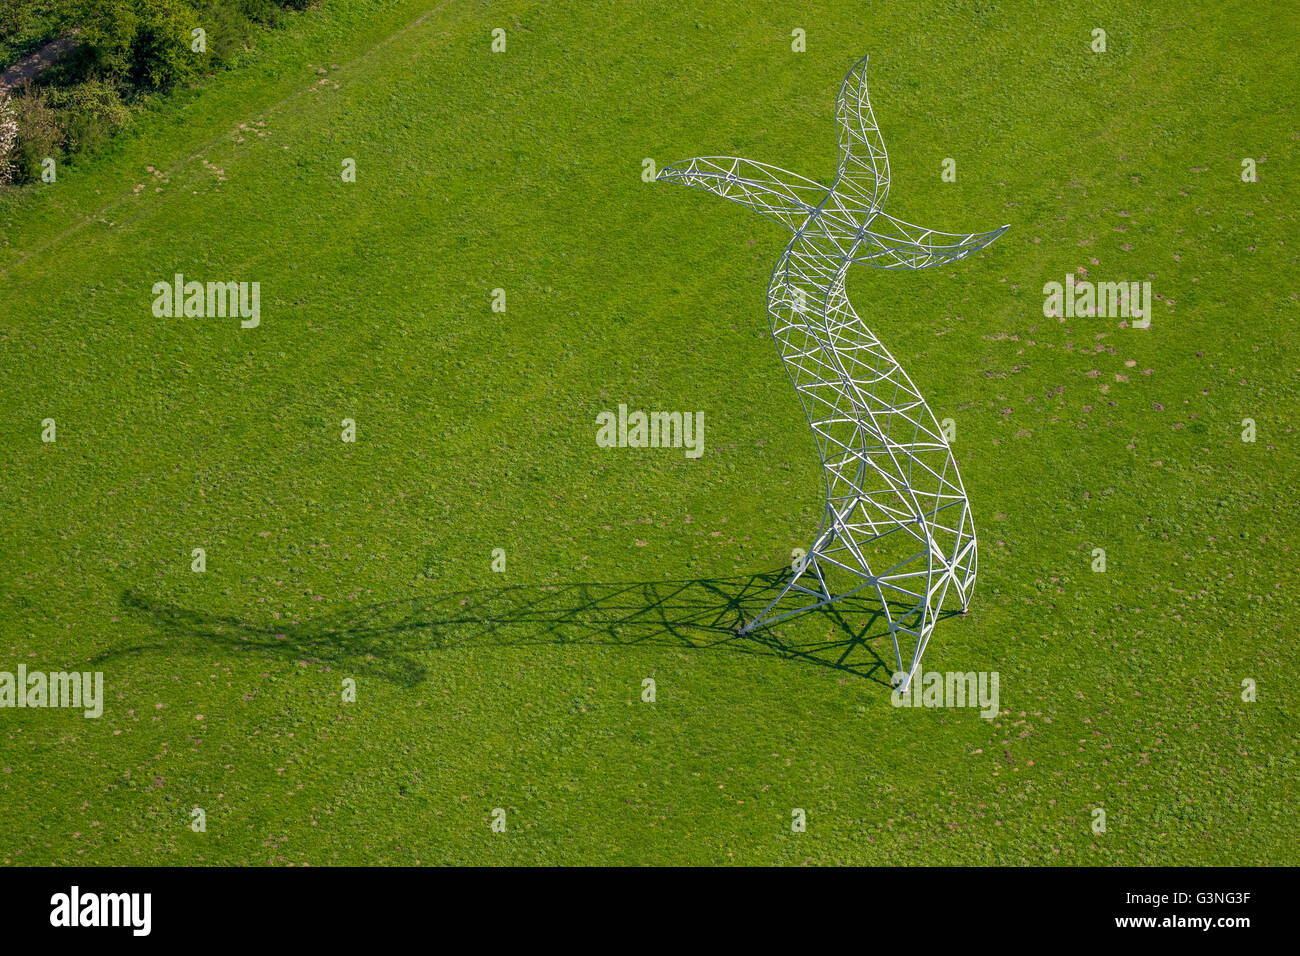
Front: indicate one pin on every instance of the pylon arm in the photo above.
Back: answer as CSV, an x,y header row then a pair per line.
x,y
890,243
775,193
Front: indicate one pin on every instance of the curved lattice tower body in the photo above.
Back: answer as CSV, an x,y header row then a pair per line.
x,y
897,518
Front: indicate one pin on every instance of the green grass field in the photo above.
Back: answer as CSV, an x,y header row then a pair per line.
x,y
522,690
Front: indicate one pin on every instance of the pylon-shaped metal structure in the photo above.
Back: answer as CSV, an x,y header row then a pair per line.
x,y
894,498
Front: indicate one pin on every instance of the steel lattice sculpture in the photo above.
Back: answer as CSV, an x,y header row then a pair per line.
x,y
891,480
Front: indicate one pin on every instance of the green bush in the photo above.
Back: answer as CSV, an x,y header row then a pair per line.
x,y
160,52
89,113
107,30
39,133
144,41
230,25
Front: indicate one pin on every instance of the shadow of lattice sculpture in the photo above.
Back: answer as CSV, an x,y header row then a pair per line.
x,y
896,518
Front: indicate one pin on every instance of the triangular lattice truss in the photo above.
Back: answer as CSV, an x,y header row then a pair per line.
x,y
892,486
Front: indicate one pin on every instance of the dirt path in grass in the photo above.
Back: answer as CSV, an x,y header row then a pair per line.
x,y
34,64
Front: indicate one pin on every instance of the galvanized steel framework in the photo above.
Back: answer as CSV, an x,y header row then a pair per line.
x,y
889,471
